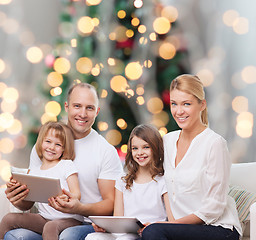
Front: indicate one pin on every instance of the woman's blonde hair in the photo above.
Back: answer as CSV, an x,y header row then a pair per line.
x,y
61,131
150,135
191,85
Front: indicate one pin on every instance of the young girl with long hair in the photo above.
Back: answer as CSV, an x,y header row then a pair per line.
x,y
141,192
55,147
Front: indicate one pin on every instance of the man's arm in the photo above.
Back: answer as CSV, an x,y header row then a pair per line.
x,y
74,206
16,193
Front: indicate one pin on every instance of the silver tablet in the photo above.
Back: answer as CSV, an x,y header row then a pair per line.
x,y
117,224
40,188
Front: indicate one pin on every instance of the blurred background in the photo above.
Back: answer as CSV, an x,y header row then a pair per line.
x,y
130,51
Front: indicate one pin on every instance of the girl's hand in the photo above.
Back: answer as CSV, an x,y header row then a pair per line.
x,y
64,197
97,228
142,229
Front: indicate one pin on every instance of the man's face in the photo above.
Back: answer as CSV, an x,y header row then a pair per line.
x,y
82,110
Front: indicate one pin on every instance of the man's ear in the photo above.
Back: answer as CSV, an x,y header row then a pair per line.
x,y
66,106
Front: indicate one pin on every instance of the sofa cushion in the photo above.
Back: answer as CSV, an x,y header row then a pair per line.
x,y
244,200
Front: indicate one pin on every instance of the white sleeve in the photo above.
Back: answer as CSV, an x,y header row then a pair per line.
x,y
111,165
217,179
35,161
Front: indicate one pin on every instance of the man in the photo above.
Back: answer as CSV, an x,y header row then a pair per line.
x,y
97,163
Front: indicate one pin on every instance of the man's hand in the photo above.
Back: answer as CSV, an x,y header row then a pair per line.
x,y
70,206
97,228
16,193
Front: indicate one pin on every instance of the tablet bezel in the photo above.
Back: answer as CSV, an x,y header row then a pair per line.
x,y
117,224
40,188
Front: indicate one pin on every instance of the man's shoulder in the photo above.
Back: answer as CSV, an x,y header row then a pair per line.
x,y
100,139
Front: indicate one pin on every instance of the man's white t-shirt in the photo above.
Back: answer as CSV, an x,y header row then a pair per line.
x,y
95,159
62,170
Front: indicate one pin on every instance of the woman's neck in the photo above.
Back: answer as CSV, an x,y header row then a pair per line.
x,y
190,134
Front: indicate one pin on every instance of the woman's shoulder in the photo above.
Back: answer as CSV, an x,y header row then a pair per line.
x,y
171,135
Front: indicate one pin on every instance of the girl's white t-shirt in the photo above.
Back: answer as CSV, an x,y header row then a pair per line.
x,y
144,201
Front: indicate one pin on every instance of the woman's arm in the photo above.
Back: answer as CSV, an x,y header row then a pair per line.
x,y
119,203
168,207
73,185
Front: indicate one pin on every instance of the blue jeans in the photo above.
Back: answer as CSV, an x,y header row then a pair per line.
x,y
168,231
74,233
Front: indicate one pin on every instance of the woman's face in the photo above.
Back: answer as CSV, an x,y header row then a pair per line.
x,y
186,109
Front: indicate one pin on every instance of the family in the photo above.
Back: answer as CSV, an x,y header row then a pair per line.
x,y
177,186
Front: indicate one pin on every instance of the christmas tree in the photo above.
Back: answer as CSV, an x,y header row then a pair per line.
x,y
129,50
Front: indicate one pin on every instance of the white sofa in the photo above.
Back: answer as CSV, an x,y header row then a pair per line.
x,y
242,177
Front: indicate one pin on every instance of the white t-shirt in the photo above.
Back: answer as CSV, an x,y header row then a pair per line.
x,y
62,170
95,159
144,201
199,183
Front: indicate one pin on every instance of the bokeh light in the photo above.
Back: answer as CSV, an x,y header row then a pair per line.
x,y
62,65
167,51
229,17
240,104
93,2
155,105
6,145
114,137
2,65
121,123
170,12
133,70
46,118
206,76
54,79
84,65
8,106
241,25
6,120
244,124
119,83
10,95
249,74
102,126
34,54
85,25
161,25
15,128
53,108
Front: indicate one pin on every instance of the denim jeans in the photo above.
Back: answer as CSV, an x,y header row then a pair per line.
x,y
168,231
74,233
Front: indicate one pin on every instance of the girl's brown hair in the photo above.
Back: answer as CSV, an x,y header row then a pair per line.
x,y
61,131
150,135
191,85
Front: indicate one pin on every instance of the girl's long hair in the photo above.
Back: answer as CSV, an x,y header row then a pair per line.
x,y
150,135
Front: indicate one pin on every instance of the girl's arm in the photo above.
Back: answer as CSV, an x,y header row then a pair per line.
x,y
168,207
73,185
119,203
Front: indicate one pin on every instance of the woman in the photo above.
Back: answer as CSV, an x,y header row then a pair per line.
x,y
197,167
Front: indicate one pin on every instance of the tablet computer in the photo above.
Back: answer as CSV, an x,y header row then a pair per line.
x,y
117,224
40,188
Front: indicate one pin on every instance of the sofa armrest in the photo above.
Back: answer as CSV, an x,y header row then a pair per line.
x,y
253,221
5,205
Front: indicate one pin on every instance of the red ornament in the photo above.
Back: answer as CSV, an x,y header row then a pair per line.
x,y
166,97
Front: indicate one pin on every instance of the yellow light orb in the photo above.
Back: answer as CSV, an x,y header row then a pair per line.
x,y
62,65
133,70
241,25
9,107
5,2
152,37
161,25
135,22
104,93
84,65
46,118
142,29
147,63
114,137
167,51
249,74
73,42
93,2
229,17
54,79
124,148
6,120
56,91
170,12
155,105
120,32
121,14
6,145
34,54
3,86
53,108
15,128
2,65
85,25
102,126
243,129
240,104
129,33
206,76
118,83
138,3
10,95
140,89
121,123
140,100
